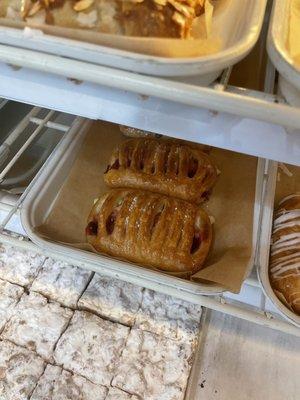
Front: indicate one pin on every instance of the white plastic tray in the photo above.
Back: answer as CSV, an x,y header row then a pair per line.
x,y
238,24
289,91
264,246
279,53
42,195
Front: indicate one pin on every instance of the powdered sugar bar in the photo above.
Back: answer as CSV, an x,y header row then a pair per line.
x,y
61,282
168,316
117,394
20,370
17,266
37,324
57,384
116,300
153,367
91,347
9,296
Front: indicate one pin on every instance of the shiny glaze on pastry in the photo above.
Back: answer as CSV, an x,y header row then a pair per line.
x,y
285,252
150,229
162,166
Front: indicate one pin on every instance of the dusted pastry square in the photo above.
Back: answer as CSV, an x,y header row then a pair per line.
x,y
153,367
113,299
91,347
9,297
19,266
170,317
20,370
57,384
61,282
37,324
117,394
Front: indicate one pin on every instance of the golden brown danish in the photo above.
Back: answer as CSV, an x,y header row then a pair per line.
x,y
285,252
153,230
162,166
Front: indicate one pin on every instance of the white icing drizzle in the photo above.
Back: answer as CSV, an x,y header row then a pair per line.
x,y
282,268
285,250
287,225
289,197
285,238
291,215
278,273
285,244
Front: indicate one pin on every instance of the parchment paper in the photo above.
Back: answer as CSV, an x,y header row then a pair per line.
x,y
231,205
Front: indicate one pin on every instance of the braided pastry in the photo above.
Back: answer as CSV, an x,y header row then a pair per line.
x,y
285,252
153,230
166,167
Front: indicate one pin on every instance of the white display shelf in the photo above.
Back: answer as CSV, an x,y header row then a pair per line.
x,y
237,119
250,304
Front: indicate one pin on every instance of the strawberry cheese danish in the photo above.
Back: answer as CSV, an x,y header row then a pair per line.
x,y
150,229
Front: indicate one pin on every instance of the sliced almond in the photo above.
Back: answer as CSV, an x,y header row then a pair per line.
x,y
82,5
34,9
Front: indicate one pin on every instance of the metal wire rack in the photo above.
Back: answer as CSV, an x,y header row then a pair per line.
x,y
250,304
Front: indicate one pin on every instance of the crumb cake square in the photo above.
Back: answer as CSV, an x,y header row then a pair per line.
x,y
57,384
20,369
153,367
19,266
117,394
113,299
37,324
9,297
61,282
170,317
91,347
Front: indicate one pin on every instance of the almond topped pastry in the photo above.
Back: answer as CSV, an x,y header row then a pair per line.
x,y
145,18
147,228
162,166
285,252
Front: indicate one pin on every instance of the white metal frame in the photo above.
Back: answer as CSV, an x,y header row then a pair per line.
x,y
250,305
245,103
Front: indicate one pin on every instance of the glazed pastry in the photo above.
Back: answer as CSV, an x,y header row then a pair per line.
x,y
285,252
162,166
148,18
150,229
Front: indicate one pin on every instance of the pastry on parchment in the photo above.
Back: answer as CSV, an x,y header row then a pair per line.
x,y
150,229
285,252
144,18
162,166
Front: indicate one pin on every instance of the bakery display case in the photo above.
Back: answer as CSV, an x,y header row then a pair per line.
x,y
73,110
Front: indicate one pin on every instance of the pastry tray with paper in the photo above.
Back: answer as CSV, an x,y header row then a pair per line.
x,y
216,40
283,181
55,212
